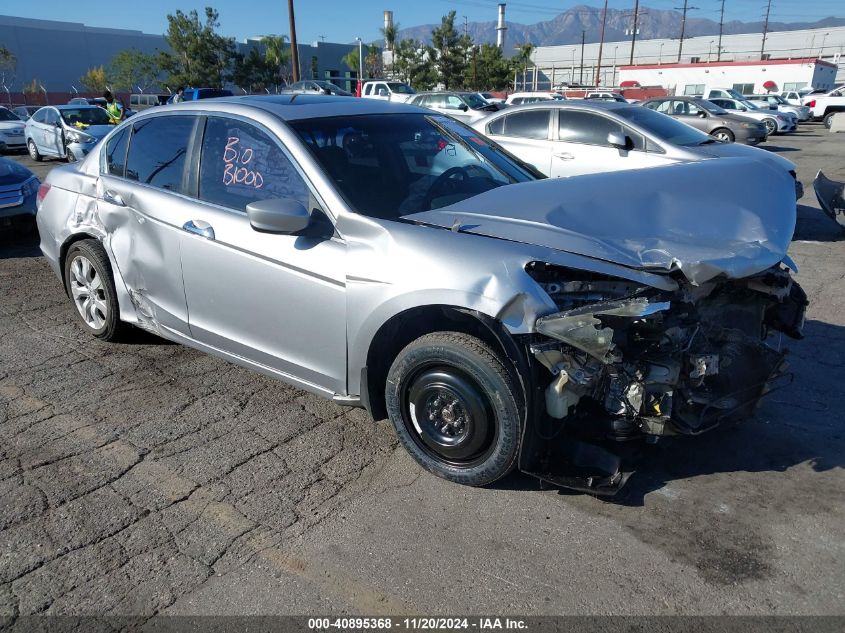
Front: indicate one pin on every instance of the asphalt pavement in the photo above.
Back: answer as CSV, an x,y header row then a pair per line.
x,y
145,477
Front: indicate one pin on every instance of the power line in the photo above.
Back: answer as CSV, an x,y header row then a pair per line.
x,y
634,29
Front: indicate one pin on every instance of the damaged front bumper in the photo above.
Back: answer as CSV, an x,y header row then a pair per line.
x,y
831,197
620,363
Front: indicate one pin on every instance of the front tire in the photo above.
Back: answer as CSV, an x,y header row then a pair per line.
x,y
771,127
828,119
33,151
90,285
456,407
723,134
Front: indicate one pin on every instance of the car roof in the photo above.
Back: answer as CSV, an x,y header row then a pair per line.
x,y
570,104
294,107
74,106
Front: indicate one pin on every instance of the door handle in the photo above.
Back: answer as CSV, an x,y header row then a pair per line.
x,y
564,156
199,227
113,198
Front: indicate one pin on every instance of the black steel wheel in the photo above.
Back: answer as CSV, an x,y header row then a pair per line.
x,y
455,407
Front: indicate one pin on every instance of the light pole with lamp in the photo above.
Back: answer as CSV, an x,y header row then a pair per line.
x,y
821,50
360,66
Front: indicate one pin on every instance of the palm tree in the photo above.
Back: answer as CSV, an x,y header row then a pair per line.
x,y
390,33
275,51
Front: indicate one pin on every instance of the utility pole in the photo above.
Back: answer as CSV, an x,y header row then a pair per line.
x,y
685,8
466,26
765,28
634,30
721,25
294,50
601,45
581,70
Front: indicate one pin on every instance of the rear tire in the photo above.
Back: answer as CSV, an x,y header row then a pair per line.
x,y
33,151
723,134
456,407
90,285
828,119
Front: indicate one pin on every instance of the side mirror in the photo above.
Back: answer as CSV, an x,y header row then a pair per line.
x,y
464,107
619,141
702,114
326,91
278,215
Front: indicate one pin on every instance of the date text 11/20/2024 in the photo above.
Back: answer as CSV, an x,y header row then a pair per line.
x,y
417,624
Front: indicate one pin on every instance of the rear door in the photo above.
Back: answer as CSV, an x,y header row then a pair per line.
x,y
143,201
525,134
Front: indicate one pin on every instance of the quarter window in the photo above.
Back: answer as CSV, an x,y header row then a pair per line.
x,y
116,152
241,164
694,89
158,150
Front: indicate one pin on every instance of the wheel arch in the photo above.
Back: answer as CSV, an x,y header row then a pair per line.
x,y
65,248
410,324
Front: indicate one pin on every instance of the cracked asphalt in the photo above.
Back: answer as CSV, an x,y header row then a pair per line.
x,y
146,478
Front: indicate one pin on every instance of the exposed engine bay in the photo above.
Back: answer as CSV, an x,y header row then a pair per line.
x,y
622,362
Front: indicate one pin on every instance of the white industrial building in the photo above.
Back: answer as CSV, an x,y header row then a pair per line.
x,y
746,77
562,64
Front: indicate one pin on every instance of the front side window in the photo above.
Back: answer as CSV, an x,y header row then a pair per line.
x,y
158,150
116,152
391,165
664,128
527,124
51,117
591,129
240,164
40,116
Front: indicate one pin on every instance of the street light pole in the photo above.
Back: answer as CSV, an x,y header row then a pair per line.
x,y
581,70
360,59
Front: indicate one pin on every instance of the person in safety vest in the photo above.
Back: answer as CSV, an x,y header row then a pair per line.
x,y
113,108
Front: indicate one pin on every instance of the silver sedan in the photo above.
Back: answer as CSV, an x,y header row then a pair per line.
x,y
385,256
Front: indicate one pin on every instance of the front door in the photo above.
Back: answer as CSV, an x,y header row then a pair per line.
x,y
277,300
581,146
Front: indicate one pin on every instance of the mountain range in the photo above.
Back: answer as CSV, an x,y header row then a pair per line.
x,y
566,27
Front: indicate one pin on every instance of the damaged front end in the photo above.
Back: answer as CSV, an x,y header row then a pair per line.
x,y
831,197
621,362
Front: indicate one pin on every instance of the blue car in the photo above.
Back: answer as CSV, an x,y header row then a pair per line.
x,y
18,191
195,94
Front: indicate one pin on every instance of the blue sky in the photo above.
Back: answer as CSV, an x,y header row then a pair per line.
x,y
344,20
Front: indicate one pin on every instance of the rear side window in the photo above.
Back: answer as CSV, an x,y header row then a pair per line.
x,y
116,153
528,124
242,164
158,150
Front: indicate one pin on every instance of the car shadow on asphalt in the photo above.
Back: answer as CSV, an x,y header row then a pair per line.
x,y
19,241
777,149
794,426
812,224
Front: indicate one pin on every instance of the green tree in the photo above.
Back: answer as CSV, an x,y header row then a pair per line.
x,y
373,60
95,80
413,64
253,72
522,60
8,60
277,55
451,51
200,56
133,70
488,68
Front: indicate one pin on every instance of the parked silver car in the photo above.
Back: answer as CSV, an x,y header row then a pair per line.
x,y
69,131
571,138
464,106
389,257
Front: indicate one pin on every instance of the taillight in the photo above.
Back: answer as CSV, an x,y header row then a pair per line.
x,y
811,104
42,193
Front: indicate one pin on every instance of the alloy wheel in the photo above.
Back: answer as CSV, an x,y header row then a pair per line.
x,y
88,291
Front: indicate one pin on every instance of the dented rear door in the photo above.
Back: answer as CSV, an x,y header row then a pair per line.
x,y
142,201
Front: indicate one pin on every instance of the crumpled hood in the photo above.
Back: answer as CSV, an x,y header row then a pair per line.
x,y
97,131
732,217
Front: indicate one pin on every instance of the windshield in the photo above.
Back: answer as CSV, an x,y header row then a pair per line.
x,y
8,115
662,127
83,117
711,107
390,165
400,88
474,100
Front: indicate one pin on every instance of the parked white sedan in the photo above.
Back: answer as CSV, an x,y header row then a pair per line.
x,y
571,138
